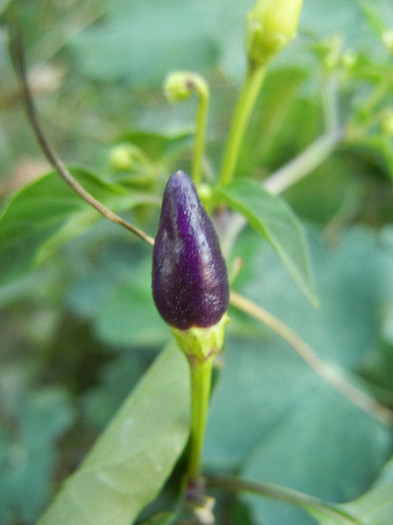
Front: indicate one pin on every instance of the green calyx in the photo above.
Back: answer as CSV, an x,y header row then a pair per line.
x,y
200,344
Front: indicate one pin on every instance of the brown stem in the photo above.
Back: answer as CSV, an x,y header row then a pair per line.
x,y
17,55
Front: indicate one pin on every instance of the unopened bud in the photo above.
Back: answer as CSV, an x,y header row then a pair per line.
x,y
387,122
387,39
124,157
271,25
180,85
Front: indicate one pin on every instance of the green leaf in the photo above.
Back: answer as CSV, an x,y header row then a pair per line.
x,y
117,379
373,508
304,435
282,424
5,4
158,146
47,213
163,518
28,450
378,14
115,296
271,217
381,147
136,453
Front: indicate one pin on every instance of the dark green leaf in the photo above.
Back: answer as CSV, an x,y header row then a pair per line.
x,y
158,146
47,213
381,146
271,217
116,297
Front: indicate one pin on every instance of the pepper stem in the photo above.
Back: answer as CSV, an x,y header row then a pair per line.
x,y
201,372
199,345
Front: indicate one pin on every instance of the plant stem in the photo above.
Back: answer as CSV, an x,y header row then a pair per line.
x,y
201,372
200,132
329,374
329,103
245,104
377,94
304,163
365,117
18,59
284,494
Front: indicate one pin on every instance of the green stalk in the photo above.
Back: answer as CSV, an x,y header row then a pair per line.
x,y
202,91
245,104
201,372
179,86
318,508
199,345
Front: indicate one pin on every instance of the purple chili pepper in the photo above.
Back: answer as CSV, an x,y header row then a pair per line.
x,y
190,281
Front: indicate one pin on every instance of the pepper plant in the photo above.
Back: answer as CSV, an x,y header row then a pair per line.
x,y
227,424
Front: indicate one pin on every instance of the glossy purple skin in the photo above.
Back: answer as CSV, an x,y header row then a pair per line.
x,y
190,282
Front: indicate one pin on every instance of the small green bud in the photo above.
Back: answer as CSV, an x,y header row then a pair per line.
x,y
205,192
271,25
125,156
180,85
387,39
349,58
387,122
121,157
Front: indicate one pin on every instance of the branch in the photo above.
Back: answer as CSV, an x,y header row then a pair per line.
x,y
304,163
18,60
359,398
286,495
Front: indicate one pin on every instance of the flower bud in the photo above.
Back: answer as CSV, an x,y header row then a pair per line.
x,y
387,122
270,26
387,39
121,157
125,157
190,282
180,85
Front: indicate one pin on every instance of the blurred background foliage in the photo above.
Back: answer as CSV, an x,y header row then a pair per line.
x,y
79,329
